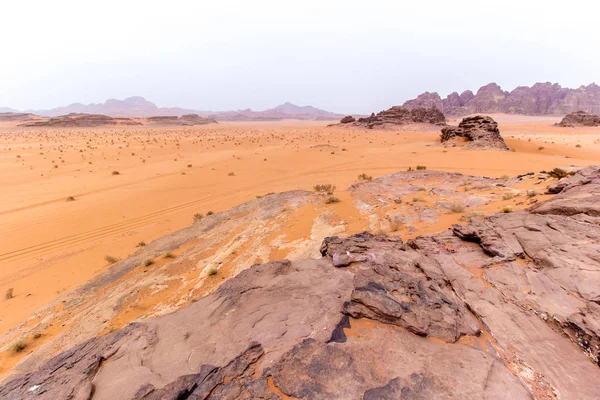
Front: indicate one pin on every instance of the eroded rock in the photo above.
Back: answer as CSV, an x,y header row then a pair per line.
x,y
481,131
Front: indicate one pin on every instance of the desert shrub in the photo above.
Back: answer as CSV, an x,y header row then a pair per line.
x,y
140,244
18,346
418,199
332,200
365,177
9,294
507,209
395,225
505,177
531,193
111,259
37,335
541,148
508,196
209,213
148,262
325,188
168,254
231,174
456,208
189,165
198,217
558,173
70,198
421,167
212,271
409,169
577,145
116,173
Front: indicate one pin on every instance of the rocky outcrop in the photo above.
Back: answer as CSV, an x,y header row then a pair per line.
x,y
540,99
81,121
184,120
11,116
502,307
480,131
347,119
399,116
579,118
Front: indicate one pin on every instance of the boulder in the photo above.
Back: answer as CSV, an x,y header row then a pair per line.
x,y
481,131
347,119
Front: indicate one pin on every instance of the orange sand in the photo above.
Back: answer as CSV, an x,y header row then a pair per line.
x,y
49,245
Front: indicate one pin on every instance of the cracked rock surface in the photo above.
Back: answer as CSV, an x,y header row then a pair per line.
x,y
507,307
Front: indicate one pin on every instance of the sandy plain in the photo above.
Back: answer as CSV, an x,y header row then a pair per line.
x,y
49,246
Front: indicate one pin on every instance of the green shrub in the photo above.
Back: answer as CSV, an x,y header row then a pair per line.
x,y
507,209
168,254
365,177
148,262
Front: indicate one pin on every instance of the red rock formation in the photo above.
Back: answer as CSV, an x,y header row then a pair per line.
x,y
540,99
481,131
81,121
580,118
398,116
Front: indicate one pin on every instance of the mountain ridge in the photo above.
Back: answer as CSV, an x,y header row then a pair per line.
x,y
542,98
137,106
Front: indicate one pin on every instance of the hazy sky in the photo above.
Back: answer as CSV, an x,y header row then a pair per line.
x,y
345,56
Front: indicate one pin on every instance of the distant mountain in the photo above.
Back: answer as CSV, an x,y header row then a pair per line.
x,y
540,99
7,110
142,108
130,107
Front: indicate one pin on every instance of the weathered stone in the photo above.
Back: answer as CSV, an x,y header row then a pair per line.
x,y
481,131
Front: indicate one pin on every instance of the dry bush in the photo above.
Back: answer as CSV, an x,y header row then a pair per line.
x,y
332,200
325,188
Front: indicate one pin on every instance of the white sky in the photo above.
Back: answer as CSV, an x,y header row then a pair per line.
x,y
345,56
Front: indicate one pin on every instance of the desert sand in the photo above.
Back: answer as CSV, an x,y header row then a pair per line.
x,y
72,197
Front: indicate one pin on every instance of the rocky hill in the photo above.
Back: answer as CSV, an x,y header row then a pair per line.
x,y
12,116
81,121
397,116
540,99
139,107
503,306
579,118
184,120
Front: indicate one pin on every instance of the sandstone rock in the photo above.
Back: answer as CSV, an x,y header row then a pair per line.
x,y
82,121
505,307
398,116
579,118
540,99
11,116
347,119
481,131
